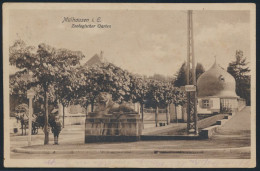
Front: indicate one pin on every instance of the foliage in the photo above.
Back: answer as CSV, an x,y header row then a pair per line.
x,y
164,93
179,97
226,109
40,119
240,71
199,70
155,92
106,77
139,89
47,66
167,94
181,74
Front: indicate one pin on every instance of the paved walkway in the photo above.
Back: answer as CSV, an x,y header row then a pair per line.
x,y
238,127
240,122
232,139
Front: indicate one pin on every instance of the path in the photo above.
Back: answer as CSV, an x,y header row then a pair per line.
x,y
227,139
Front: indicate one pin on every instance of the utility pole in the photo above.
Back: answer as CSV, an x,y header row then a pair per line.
x,y
192,127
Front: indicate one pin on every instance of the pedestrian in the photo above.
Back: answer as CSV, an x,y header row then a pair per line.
x,y
56,129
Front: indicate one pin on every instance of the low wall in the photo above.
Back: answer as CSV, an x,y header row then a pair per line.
x,y
105,128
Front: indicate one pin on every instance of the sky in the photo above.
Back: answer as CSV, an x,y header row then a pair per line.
x,y
145,42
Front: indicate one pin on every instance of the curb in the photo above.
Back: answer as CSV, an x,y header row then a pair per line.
x,y
153,151
169,137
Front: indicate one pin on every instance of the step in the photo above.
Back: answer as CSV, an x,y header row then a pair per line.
x,y
221,122
227,117
208,132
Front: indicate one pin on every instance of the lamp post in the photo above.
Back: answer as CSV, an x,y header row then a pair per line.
x,y
30,95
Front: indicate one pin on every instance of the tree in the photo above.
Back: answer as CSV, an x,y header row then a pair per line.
x,y
178,99
64,90
105,77
45,64
199,70
241,72
155,93
181,74
117,83
139,90
86,87
167,98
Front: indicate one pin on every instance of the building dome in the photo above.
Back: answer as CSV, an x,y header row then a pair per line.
x,y
216,82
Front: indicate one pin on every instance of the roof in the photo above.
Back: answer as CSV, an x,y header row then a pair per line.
x,y
95,60
216,82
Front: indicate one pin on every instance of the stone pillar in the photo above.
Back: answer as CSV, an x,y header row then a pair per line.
x,y
184,113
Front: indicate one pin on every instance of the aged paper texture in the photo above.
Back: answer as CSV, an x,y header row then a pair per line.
x,y
129,85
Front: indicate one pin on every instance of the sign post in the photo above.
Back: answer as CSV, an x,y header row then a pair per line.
x,y
188,88
30,95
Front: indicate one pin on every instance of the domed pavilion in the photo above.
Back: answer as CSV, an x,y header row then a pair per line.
x,y
216,91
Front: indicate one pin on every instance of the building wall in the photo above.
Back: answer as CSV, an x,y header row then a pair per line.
x,y
181,113
231,103
214,105
218,105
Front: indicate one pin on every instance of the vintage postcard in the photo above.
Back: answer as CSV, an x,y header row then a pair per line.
x,y
129,85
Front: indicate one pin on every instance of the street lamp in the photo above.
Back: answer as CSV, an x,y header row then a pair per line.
x,y
30,95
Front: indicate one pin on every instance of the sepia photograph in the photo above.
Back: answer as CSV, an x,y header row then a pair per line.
x,y
129,85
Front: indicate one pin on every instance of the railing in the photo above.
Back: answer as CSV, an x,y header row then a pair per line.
x,y
153,110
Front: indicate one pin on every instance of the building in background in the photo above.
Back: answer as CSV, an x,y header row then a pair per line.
x,y
217,92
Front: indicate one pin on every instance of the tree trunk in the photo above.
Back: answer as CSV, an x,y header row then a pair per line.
x,y
92,106
63,116
46,138
156,116
182,113
167,117
22,128
142,112
175,106
87,109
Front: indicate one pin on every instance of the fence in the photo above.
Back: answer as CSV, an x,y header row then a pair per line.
x,y
153,110
75,119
